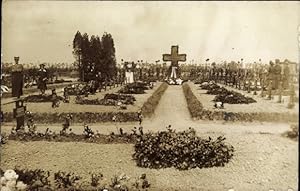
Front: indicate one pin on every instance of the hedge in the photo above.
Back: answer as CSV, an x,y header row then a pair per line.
x,y
150,105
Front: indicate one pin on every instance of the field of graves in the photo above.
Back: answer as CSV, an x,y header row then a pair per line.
x,y
87,109
248,156
137,126
239,105
161,153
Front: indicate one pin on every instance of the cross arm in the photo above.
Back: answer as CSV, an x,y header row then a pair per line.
x,y
167,57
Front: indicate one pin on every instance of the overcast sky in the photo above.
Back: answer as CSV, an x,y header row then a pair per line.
x,y
41,31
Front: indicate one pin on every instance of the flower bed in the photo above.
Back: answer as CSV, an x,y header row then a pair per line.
x,y
197,111
208,86
233,98
38,179
109,99
150,105
79,117
77,89
67,135
134,88
226,96
94,117
41,98
182,150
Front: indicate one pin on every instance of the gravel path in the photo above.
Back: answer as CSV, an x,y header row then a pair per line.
x,y
263,159
172,107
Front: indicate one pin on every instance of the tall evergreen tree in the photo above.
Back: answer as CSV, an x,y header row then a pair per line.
x,y
109,64
95,54
86,56
77,52
99,63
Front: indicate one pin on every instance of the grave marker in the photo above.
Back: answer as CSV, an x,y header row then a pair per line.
x,y
19,113
174,57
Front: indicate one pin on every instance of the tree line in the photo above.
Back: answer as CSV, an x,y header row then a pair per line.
x,y
95,57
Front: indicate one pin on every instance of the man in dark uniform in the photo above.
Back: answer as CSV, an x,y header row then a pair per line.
x,y
17,79
42,79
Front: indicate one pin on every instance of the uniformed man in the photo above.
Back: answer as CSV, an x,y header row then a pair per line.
x,y
42,79
17,79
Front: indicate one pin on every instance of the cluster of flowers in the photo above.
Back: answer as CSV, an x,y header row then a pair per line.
x,y
225,96
78,117
77,89
22,179
294,132
3,138
10,181
41,98
121,183
125,99
109,99
182,150
67,135
135,88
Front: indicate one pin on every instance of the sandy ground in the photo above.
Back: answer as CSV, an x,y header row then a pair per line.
x,y
34,90
262,104
263,159
72,107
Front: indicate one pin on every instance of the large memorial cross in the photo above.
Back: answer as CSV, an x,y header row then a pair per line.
x,y
174,57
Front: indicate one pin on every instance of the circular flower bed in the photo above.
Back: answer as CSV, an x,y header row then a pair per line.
x,y
182,150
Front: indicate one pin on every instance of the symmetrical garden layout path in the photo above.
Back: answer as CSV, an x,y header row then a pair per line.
x,y
263,160
172,108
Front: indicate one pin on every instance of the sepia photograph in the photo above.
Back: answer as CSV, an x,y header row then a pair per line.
x,y
149,95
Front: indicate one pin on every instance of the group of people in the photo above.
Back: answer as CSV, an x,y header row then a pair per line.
x,y
276,74
18,79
